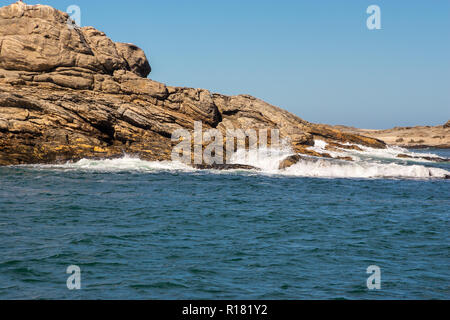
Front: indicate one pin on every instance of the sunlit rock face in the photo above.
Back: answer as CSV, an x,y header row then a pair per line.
x,y
68,93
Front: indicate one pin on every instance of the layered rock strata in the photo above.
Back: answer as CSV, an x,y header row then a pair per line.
x,y
68,93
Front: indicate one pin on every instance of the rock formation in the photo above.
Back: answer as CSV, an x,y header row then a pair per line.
x,y
290,161
434,159
408,137
68,93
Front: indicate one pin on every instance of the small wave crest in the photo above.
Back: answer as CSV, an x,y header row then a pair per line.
x,y
368,153
267,159
126,163
362,169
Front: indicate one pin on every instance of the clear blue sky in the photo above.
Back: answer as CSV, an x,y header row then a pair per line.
x,y
315,58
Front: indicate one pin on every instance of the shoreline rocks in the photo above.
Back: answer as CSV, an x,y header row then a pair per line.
x,y
434,159
224,167
70,93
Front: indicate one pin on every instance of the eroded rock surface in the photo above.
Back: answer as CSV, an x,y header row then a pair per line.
x,y
69,93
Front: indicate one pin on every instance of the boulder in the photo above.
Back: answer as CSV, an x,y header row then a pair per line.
x,y
290,161
135,58
38,38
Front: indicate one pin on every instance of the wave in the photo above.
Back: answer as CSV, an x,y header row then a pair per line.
x,y
368,153
362,169
267,159
126,163
366,164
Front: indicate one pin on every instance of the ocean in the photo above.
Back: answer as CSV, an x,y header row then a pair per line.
x,y
162,230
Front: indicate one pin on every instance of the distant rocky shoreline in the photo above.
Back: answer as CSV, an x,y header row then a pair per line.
x,y
418,137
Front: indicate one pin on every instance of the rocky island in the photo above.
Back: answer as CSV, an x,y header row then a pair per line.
x,y
68,93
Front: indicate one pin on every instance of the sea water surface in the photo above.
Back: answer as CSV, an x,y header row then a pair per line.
x,y
146,230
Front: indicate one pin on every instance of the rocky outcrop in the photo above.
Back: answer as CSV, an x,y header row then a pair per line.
x,y
408,137
39,39
290,161
68,93
296,158
434,159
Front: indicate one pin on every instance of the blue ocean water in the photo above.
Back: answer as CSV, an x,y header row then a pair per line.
x,y
144,231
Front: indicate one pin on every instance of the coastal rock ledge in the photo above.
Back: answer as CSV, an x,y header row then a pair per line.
x,y
68,93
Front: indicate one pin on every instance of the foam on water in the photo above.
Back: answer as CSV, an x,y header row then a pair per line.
x,y
369,163
362,169
390,152
126,163
268,160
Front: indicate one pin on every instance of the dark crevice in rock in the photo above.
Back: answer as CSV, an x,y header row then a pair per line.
x,y
231,112
108,129
164,134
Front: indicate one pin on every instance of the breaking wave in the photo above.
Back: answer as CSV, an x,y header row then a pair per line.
x,y
126,163
368,153
369,163
362,169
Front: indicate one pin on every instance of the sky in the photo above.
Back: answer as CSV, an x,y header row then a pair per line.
x,y
315,58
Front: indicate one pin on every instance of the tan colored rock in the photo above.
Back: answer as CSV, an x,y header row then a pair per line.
x,y
4,125
333,146
72,93
424,157
304,149
194,103
330,134
344,158
144,87
38,38
245,111
290,161
408,137
104,50
135,58
68,81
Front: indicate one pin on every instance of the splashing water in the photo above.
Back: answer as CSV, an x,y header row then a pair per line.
x,y
368,163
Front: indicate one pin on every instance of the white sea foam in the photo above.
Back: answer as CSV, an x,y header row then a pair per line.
x,y
268,160
361,169
391,152
368,163
126,163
